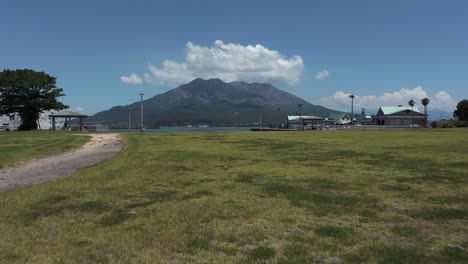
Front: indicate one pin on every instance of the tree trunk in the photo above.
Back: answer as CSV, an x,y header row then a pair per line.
x,y
425,116
29,120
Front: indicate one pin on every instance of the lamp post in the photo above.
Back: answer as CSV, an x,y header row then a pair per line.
x,y
279,114
129,127
352,107
260,124
380,122
141,110
300,116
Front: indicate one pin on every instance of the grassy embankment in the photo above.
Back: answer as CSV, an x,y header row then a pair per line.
x,y
21,145
334,196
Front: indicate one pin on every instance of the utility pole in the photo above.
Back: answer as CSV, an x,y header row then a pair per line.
x,y
260,125
300,116
141,110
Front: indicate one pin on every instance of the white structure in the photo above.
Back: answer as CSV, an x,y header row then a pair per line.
x,y
43,123
304,121
400,116
11,122
340,118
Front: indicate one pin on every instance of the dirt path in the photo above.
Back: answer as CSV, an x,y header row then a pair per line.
x,y
100,147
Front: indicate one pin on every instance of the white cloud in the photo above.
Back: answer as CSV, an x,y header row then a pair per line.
x,y
322,75
442,100
131,79
229,62
340,100
79,109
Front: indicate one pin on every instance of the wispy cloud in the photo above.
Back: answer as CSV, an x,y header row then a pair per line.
x,y
340,100
226,61
131,79
322,75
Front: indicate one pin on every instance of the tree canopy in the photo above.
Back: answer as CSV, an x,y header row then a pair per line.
x,y
462,110
28,93
425,101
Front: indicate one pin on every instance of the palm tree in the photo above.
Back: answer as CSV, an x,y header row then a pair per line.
x,y
425,102
412,103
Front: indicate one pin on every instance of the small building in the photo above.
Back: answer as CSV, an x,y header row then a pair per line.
x,y
68,115
340,118
399,116
305,121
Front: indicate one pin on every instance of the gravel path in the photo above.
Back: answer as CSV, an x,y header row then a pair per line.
x,y
100,147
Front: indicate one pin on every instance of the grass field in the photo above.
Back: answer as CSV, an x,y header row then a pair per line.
x,y
20,146
252,197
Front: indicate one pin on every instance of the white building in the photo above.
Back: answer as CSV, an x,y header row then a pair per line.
x,y
399,116
13,121
340,119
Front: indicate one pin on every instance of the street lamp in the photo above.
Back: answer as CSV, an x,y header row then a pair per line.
x,y
141,110
129,128
352,107
300,116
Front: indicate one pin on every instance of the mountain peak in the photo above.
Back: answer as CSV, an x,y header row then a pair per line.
x,y
201,80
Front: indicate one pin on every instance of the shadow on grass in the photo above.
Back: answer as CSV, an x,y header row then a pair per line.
x,y
391,254
261,254
436,214
197,194
58,204
433,172
322,196
462,199
336,232
191,155
453,254
295,252
154,197
406,231
119,215
115,217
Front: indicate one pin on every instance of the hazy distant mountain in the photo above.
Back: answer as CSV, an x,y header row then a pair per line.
x,y
435,114
216,103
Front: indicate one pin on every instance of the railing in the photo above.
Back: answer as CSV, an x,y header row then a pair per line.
x,y
96,128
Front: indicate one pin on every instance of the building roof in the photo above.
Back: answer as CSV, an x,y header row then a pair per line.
x,y
337,116
67,114
305,117
388,110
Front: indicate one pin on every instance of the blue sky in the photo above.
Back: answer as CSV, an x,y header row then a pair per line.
x,y
385,52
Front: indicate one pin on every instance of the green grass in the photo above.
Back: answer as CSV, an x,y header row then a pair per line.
x,y
251,197
20,146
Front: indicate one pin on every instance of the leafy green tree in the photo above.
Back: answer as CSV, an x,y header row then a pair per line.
x,y
462,110
28,93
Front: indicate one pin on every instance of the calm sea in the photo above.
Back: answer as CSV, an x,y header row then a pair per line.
x,y
186,129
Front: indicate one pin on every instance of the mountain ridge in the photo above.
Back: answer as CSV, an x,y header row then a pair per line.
x,y
213,102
